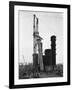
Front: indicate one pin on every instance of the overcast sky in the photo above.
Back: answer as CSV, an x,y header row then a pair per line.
x,y
50,23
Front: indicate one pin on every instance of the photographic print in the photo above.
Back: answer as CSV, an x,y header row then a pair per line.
x,y
40,44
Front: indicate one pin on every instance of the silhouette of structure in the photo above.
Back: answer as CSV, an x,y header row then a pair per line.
x,y
40,61
53,47
49,59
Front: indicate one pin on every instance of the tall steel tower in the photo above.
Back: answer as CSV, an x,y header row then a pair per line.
x,y
37,45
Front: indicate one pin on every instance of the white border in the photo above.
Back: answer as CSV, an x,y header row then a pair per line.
x,y
39,80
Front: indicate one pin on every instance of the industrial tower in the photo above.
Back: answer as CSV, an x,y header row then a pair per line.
x,y
53,47
37,45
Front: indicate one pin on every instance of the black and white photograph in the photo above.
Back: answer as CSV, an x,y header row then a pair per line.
x,y
40,44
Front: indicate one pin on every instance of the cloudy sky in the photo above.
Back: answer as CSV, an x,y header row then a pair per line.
x,y
50,23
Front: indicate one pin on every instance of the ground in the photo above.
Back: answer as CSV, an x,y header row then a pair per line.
x,y
46,75
27,71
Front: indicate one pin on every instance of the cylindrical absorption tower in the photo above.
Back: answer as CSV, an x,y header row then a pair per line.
x,y
53,48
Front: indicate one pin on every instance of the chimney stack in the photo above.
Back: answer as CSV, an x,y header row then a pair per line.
x,y
53,47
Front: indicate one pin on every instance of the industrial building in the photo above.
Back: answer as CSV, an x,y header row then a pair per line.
x,y
40,61
49,59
